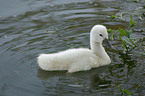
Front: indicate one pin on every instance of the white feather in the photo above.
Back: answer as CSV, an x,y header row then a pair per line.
x,y
81,58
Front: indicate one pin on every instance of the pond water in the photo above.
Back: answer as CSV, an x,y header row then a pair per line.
x,y
31,27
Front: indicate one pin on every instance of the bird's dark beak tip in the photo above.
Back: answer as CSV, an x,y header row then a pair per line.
x,y
106,41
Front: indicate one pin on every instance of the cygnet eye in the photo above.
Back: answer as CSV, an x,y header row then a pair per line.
x,y
101,35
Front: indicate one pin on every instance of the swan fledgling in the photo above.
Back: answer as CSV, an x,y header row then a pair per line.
x,y
79,59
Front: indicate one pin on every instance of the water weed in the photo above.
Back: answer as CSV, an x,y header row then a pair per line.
x,y
125,36
124,92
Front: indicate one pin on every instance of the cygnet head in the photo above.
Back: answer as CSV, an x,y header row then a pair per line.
x,y
98,33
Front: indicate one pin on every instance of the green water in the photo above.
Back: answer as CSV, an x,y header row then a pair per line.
x,y
31,27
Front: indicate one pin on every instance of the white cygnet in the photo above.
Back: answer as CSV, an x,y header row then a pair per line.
x,y
79,59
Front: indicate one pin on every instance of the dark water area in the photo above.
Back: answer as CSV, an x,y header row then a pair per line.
x,y
31,27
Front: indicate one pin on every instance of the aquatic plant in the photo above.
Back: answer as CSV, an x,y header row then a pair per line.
x,y
125,36
124,92
137,12
128,42
119,15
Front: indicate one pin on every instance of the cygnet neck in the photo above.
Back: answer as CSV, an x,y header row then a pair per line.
x,y
99,50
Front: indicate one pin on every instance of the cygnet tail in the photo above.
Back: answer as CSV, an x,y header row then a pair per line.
x,y
42,61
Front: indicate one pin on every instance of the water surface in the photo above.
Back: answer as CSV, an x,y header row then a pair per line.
x,y
31,27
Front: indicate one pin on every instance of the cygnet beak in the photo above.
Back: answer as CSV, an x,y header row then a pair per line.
x,y
106,42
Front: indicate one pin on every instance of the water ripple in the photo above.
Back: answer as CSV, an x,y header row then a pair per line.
x,y
51,26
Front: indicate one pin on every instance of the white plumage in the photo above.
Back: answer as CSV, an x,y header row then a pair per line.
x,y
81,58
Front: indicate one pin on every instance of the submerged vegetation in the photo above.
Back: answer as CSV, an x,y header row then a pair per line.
x,y
124,92
128,42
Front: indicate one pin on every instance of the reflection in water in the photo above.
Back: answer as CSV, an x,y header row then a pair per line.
x,y
126,65
97,82
87,81
45,75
